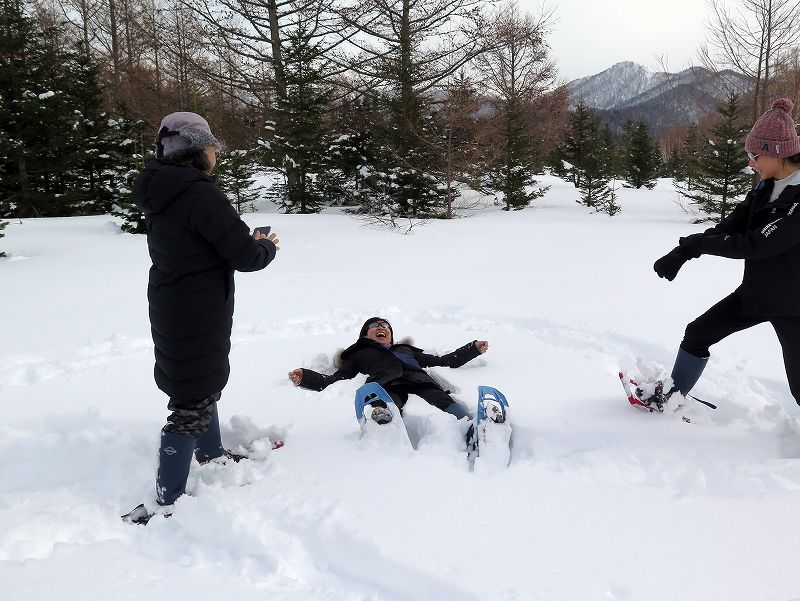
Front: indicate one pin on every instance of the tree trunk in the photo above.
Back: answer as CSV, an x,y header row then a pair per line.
x,y
26,208
279,76
406,84
767,57
112,15
85,26
128,42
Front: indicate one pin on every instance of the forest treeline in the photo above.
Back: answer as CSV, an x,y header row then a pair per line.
x,y
386,107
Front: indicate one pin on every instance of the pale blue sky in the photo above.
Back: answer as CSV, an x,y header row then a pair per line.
x,y
592,35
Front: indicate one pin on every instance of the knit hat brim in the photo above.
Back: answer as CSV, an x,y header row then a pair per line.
x,y
779,149
775,133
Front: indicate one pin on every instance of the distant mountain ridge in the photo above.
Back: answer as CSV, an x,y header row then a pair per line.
x,y
628,90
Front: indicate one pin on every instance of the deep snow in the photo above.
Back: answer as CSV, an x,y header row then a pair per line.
x,y
601,502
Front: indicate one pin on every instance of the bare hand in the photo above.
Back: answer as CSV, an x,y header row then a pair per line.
x,y
482,346
296,376
272,238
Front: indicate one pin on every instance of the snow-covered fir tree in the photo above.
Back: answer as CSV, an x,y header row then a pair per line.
x,y
62,155
675,164
108,149
642,160
35,116
134,149
298,149
353,146
513,175
691,155
409,168
3,225
235,173
408,50
571,152
721,181
596,190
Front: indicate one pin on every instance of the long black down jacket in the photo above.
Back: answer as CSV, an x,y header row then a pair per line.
x,y
383,366
767,236
196,241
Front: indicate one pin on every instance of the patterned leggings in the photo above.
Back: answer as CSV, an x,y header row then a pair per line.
x,y
191,417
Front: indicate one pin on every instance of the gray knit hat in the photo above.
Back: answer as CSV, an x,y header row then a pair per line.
x,y
774,134
182,133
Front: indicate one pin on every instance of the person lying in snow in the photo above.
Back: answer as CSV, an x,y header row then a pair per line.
x,y
399,368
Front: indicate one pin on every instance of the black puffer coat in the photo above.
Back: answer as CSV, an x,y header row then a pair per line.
x,y
196,241
767,236
383,366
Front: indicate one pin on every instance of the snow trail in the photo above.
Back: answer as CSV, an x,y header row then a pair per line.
x,y
599,502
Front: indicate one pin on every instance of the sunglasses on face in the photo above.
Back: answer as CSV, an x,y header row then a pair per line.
x,y
379,324
752,156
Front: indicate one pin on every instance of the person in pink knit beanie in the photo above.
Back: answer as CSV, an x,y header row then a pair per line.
x,y
764,230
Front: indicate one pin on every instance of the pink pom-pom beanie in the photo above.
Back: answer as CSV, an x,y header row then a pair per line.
x,y
774,134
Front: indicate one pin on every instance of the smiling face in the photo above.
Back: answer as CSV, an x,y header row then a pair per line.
x,y
767,166
380,332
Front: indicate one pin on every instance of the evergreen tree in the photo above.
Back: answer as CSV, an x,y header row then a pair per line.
x,y
107,149
408,52
133,150
691,152
353,147
642,160
3,225
409,166
35,116
572,150
514,173
596,170
614,158
303,107
235,177
721,179
518,73
675,165
63,156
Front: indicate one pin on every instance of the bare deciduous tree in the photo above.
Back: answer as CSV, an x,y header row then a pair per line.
x,y
406,48
752,37
518,73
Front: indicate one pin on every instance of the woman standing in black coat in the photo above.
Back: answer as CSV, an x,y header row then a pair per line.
x,y
196,241
764,230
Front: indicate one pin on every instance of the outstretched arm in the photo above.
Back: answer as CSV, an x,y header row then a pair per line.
x,y
776,237
313,380
736,222
457,358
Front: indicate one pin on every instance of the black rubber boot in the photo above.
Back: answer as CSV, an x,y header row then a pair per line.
x,y
686,371
208,446
457,410
174,459
472,443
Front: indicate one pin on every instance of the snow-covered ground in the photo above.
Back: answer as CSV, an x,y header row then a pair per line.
x,y
601,502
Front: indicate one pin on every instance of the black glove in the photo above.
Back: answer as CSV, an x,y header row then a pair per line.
x,y
670,264
690,245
